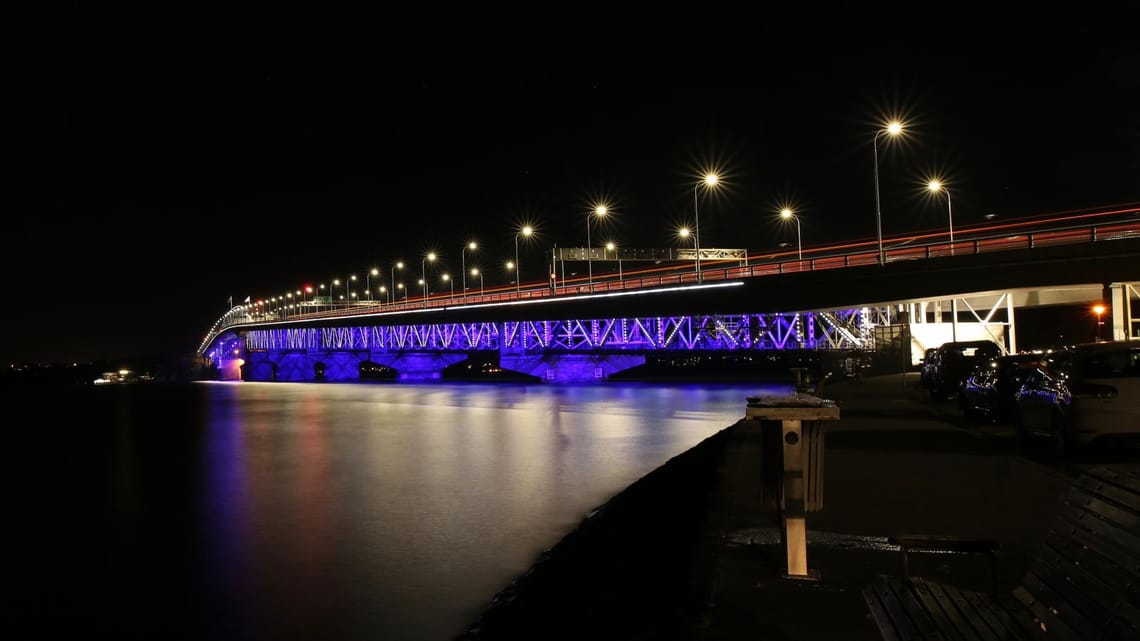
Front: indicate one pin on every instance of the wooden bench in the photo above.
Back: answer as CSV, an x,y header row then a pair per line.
x,y
1084,585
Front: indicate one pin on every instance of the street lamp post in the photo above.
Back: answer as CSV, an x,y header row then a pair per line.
x,y
709,181
399,265
384,295
1099,310
684,233
892,128
447,279
936,186
401,286
600,212
475,272
462,267
610,246
368,281
332,292
786,213
525,231
348,295
423,272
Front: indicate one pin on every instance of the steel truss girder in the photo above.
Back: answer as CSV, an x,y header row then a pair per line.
x,y
836,329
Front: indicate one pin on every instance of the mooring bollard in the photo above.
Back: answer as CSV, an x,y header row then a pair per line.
x,y
795,418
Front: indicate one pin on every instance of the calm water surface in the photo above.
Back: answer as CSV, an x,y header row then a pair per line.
x,y
342,511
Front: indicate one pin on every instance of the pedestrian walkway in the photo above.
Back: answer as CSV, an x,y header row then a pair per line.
x,y
692,551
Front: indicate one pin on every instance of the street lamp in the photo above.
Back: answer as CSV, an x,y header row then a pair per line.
x,y
332,292
368,281
447,279
475,272
936,186
892,128
399,265
709,181
462,268
401,286
600,212
348,294
384,295
684,232
423,271
527,230
610,246
1099,310
786,213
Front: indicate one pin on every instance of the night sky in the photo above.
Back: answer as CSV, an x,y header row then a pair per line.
x,y
154,165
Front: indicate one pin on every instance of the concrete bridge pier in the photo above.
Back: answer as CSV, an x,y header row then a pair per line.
x,y
570,368
418,366
259,366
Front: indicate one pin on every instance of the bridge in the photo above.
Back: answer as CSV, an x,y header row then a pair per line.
x,y
920,291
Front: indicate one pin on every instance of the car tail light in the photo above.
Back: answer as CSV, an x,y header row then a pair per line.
x,y
1093,390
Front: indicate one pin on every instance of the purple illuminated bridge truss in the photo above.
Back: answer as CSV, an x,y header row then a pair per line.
x,y
554,350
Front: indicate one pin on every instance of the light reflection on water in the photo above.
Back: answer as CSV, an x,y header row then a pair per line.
x,y
397,511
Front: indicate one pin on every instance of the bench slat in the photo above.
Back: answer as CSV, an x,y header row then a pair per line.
x,y
951,613
1084,585
1091,572
1125,478
897,610
1041,619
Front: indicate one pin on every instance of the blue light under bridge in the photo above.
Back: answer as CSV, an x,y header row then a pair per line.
x,y
554,350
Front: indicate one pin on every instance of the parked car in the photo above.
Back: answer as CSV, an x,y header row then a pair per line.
x,y
1080,394
953,362
989,392
925,366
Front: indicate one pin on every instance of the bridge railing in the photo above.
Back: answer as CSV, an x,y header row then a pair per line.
x,y
1078,229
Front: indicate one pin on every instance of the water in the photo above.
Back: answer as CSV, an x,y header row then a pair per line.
x,y
334,511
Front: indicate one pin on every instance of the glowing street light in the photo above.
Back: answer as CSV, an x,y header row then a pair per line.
x,y
1099,310
527,231
384,295
610,246
462,268
936,186
349,294
447,279
399,265
368,281
475,272
423,272
684,233
709,182
893,128
401,286
786,213
332,291
600,212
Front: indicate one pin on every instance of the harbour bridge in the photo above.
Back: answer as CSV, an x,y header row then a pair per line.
x,y
909,293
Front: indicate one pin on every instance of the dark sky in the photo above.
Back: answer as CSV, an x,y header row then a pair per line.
x,y
155,164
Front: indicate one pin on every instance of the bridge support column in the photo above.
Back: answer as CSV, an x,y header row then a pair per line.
x,y
297,366
338,366
259,366
418,366
570,368
1118,297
